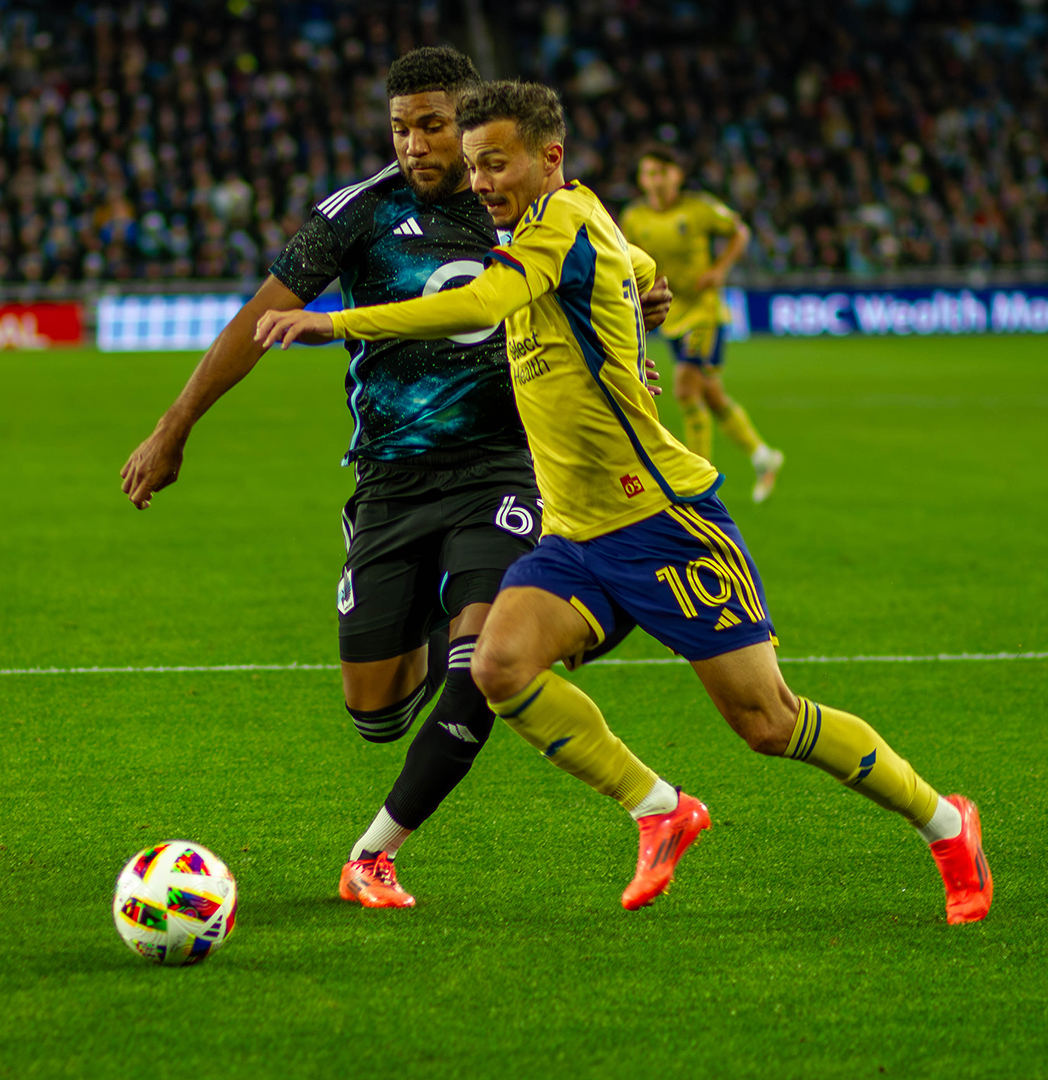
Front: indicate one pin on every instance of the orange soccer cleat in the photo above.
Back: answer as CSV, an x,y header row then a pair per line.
x,y
663,840
373,883
964,869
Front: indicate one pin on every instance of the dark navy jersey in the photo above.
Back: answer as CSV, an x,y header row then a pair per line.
x,y
408,398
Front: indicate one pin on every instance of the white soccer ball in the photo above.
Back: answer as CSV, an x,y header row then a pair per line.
x,y
175,903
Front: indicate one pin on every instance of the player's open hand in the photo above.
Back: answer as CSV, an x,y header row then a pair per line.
x,y
655,303
651,375
152,466
309,327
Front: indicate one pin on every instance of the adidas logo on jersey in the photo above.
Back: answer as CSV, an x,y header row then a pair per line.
x,y
410,227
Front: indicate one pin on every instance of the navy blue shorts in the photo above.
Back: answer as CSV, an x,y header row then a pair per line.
x,y
683,575
703,346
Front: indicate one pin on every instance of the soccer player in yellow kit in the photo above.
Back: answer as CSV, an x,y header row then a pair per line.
x,y
632,530
676,228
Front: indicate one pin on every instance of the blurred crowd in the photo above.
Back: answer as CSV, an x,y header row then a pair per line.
x,y
853,136
155,140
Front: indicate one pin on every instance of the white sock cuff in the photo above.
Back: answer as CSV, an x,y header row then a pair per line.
x,y
383,834
944,825
762,455
662,799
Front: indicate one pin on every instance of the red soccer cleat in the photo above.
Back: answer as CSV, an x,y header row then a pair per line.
x,y
373,883
663,840
964,869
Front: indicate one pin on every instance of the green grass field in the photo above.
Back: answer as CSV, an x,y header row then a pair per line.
x,y
804,937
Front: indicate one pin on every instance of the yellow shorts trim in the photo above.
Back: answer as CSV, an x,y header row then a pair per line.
x,y
588,615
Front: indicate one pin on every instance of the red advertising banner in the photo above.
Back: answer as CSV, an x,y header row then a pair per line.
x,y
39,326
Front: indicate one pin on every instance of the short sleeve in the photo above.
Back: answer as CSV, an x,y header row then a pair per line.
x,y
644,268
716,217
310,261
541,243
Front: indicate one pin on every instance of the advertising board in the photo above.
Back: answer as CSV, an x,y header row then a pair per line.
x,y
899,312
40,326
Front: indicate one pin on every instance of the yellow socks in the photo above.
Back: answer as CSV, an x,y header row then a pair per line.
x,y
739,429
562,723
698,428
850,750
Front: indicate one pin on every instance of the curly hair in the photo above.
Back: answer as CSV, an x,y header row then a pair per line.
x,y
430,68
535,108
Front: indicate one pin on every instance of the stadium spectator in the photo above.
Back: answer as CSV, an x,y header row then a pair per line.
x,y
852,137
855,136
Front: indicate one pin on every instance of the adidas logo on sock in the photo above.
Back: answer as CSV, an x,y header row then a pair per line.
x,y
460,731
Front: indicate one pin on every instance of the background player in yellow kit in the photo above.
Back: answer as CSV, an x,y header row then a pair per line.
x,y
633,532
676,228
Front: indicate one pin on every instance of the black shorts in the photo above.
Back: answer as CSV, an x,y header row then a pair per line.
x,y
422,544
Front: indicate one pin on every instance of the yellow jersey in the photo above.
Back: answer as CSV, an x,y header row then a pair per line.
x,y
575,339
679,240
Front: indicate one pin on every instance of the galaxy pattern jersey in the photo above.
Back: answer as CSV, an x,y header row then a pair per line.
x,y
408,399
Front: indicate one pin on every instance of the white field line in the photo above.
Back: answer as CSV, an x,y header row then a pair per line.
x,y
610,662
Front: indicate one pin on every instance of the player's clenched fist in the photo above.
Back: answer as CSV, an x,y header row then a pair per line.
x,y
309,327
655,303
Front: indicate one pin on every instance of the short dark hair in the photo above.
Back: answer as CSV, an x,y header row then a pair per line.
x,y
669,155
433,67
535,108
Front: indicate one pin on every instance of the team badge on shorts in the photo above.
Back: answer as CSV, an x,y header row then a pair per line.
x,y
346,599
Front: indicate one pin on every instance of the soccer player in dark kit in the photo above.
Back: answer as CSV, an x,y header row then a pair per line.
x,y
445,496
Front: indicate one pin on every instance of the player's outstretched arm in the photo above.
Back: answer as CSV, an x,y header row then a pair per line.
x,y
156,462
483,303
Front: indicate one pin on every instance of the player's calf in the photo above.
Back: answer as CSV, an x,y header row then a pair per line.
x,y
759,707
394,721
446,746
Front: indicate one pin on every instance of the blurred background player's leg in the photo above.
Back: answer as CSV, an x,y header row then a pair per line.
x,y
702,357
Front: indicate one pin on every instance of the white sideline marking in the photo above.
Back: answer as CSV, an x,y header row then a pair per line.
x,y
611,662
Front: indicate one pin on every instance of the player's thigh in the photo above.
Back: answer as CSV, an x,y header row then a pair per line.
x,y
469,621
687,381
527,630
551,608
697,352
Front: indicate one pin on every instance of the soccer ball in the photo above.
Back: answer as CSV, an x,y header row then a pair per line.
x,y
175,903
